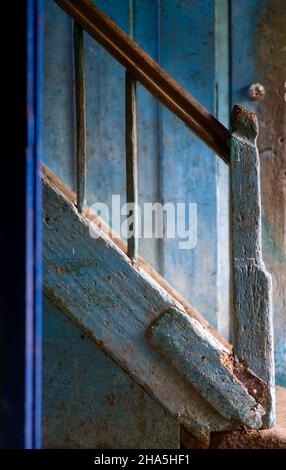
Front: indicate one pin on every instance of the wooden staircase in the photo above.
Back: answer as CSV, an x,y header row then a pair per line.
x,y
116,303
124,305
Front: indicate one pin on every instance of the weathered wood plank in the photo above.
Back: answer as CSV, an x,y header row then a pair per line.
x,y
252,323
187,53
150,74
90,215
274,438
201,359
167,150
94,283
93,403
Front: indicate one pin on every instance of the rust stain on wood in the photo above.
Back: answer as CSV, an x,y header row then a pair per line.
x,y
58,269
255,386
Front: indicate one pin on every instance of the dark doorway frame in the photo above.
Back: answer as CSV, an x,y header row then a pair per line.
x,y
21,280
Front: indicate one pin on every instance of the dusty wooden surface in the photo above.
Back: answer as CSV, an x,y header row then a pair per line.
x,y
171,159
94,283
252,287
274,438
150,74
88,401
90,215
203,361
171,156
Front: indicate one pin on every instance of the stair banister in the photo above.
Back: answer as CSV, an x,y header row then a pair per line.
x,y
252,289
252,304
150,74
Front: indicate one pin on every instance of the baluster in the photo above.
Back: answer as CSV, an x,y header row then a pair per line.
x,y
80,116
131,162
252,322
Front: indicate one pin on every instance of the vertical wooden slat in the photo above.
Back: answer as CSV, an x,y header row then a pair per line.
x,y
252,295
150,74
131,161
80,116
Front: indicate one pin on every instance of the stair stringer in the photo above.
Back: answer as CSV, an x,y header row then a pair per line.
x,y
94,283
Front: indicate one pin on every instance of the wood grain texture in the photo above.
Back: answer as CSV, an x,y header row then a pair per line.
x,y
252,323
93,403
201,359
150,74
274,438
170,157
94,283
141,263
189,172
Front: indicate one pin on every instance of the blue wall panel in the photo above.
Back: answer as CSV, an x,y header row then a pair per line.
x,y
189,168
146,17
190,39
58,104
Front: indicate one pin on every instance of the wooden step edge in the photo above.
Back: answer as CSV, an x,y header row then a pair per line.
x,y
244,438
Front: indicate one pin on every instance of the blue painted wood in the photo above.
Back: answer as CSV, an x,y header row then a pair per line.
x,y
187,44
167,152
252,284
33,285
20,300
106,115
93,403
244,20
58,112
258,36
198,65
95,284
203,361
146,33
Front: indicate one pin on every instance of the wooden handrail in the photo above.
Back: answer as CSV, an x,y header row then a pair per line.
x,y
150,74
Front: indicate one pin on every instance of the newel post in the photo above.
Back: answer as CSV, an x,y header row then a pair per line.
x,y
252,296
